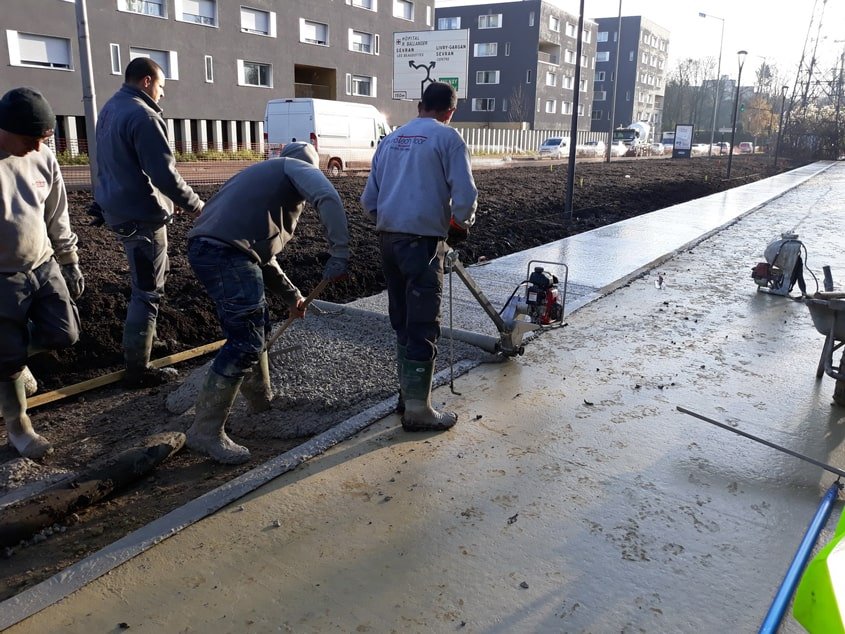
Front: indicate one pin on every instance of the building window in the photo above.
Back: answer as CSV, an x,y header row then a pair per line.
x,y
486,49
370,5
448,24
603,56
531,19
487,77
492,21
583,86
114,52
551,79
255,74
209,69
197,11
360,85
144,7
600,75
596,115
568,82
554,23
362,42
551,106
569,56
504,104
528,76
166,59
403,9
313,32
428,15
631,56
565,107
602,36
258,22
28,49
570,29
580,110
487,104
507,49
585,63
585,36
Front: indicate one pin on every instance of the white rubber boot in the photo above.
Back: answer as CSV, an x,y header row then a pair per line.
x,y
30,385
18,426
207,435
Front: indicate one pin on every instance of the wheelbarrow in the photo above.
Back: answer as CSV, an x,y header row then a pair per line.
x,y
827,309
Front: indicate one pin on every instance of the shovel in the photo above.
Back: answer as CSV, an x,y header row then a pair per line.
x,y
274,337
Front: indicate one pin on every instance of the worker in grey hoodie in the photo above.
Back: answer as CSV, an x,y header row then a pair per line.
x,y
39,270
137,186
421,194
232,249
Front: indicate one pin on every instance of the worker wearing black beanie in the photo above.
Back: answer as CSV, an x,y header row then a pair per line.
x,y
25,111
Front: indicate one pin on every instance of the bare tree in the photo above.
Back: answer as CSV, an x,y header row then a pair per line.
x,y
518,109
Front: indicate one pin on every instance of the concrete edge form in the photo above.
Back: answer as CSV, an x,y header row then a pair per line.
x,y
62,584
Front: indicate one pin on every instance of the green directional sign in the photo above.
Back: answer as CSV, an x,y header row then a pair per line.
x,y
453,81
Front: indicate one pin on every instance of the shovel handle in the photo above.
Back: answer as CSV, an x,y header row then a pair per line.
x,y
311,297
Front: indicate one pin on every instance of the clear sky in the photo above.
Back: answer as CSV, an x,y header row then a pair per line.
x,y
770,29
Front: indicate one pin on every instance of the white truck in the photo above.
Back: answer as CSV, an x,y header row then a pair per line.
x,y
345,134
636,137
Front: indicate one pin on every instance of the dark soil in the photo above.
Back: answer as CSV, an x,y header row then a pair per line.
x,y
520,206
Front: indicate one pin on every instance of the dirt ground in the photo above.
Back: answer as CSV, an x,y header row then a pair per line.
x,y
519,207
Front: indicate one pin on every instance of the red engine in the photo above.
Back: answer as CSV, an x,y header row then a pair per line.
x,y
543,298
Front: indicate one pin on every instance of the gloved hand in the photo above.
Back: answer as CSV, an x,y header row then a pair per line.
x,y
96,213
74,280
457,234
336,269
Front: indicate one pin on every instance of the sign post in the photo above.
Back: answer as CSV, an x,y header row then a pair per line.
x,y
423,57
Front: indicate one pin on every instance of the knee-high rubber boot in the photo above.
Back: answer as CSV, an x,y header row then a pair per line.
x,y
256,387
137,344
207,435
400,357
18,426
419,414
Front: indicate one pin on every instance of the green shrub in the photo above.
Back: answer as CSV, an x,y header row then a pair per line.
x,y
65,158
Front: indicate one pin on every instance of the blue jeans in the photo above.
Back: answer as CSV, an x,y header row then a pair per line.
x,y
35,311
413,270
235,284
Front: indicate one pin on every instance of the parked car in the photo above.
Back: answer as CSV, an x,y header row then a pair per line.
x,y
658,149
592,148
554,147
699,149
746,147
722,147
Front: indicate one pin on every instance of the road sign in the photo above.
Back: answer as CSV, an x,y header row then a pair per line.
x,y
423,57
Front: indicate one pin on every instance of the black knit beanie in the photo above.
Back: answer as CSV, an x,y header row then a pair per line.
x,y
25,111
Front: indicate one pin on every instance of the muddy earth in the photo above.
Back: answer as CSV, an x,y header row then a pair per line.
x,y
520,206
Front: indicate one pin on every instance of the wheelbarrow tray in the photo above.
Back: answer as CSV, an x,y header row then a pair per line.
x,y
827,311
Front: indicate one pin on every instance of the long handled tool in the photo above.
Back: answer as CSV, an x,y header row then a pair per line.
x,y
274,337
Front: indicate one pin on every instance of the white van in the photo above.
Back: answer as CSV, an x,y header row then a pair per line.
x,y
344,134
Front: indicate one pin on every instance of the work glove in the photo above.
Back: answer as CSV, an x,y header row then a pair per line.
x,y
457,234
96,213
336,269
74,280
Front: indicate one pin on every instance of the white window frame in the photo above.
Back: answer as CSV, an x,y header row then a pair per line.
x,y
584,85
528,76
585,36
368,5
507,49
269,15
374,42
531,19
484,104
554,23
600,95
485,46
242,66
303,23
58,49
551,78
568,82
601,36
490,21
401,8
354,80
569,56
139,7
168,60
202,18
551,106
428,15
565,107
600,75
603,56
114,58
208,66
570,29
485,77
449,24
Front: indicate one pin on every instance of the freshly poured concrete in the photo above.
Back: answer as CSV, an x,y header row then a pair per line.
x,y
572,496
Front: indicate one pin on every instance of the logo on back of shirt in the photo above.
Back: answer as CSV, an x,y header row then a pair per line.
x,y
405,142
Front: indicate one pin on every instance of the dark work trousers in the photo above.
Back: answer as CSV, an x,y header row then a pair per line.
x,y
36,311
146,253
236,286
413,270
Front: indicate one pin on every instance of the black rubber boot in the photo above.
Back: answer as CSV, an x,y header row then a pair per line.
x,y
208,435
400,357
419,414
137,345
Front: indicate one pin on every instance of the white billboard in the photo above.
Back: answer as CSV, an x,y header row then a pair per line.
x,y
423,57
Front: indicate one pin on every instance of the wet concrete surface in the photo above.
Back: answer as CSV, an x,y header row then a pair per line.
x,y
572,496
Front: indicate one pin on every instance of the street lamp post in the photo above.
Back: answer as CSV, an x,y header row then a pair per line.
x,y
741,58
718,80
783,92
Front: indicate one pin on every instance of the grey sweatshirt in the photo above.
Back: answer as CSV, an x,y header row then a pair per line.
x,y
420,177
34,221
257,210
136,171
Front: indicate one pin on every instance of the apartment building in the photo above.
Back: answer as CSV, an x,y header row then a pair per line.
x,y
521,66
223,60
643,51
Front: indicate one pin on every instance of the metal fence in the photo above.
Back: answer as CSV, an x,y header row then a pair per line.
x,y
214,167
